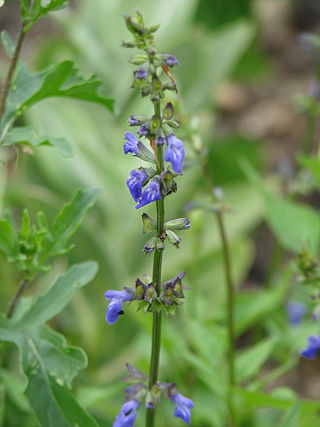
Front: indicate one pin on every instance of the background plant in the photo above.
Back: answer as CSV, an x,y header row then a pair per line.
x,y
224,49
40,379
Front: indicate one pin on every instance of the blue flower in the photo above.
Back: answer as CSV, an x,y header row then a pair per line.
x,y
183,406
135,183
312,348
131,146
117,298
174,153
127,415
141,74
296,310
151,193
171,60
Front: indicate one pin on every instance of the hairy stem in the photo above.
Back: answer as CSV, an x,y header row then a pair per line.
x,y
156,279
11,70
230,293
23,286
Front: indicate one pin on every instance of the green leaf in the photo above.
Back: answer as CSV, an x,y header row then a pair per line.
x,y
68,221
62,80
27,136
8,239
249,362
32,10
61,361
47,361
59,295
254,306
257,399
313,164
292,416
15,389
296,226
53,404
2,404
7,43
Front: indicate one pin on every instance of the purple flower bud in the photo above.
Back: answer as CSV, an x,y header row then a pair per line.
x,y
117,298
141,74
143,130
174,153
160,140
183,406
312,348
296,310
135,183
151,193
131,146
171,60
134,120
127,415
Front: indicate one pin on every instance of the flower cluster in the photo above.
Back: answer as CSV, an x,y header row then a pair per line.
x,y
138,392
169,228
147,185
170,296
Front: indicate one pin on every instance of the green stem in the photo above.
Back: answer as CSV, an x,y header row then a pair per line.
x,y
11,70
230,293
23,286
156,279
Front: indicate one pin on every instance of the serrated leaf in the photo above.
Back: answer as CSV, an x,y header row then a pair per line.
x,y
57,297
68,221
62,80
62,362
53,404
27,136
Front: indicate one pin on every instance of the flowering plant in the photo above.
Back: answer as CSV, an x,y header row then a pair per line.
x,y
147,185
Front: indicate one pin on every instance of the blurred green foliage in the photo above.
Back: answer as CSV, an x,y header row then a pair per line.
x,y
194,343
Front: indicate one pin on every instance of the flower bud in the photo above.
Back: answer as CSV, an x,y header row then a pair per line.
x,y
168,183
172,124
150,293
139,59
148,224
133,27
177,224
173,238
156,84
154,124
168,111
153,28
160,245
150,245
128,44
140,289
